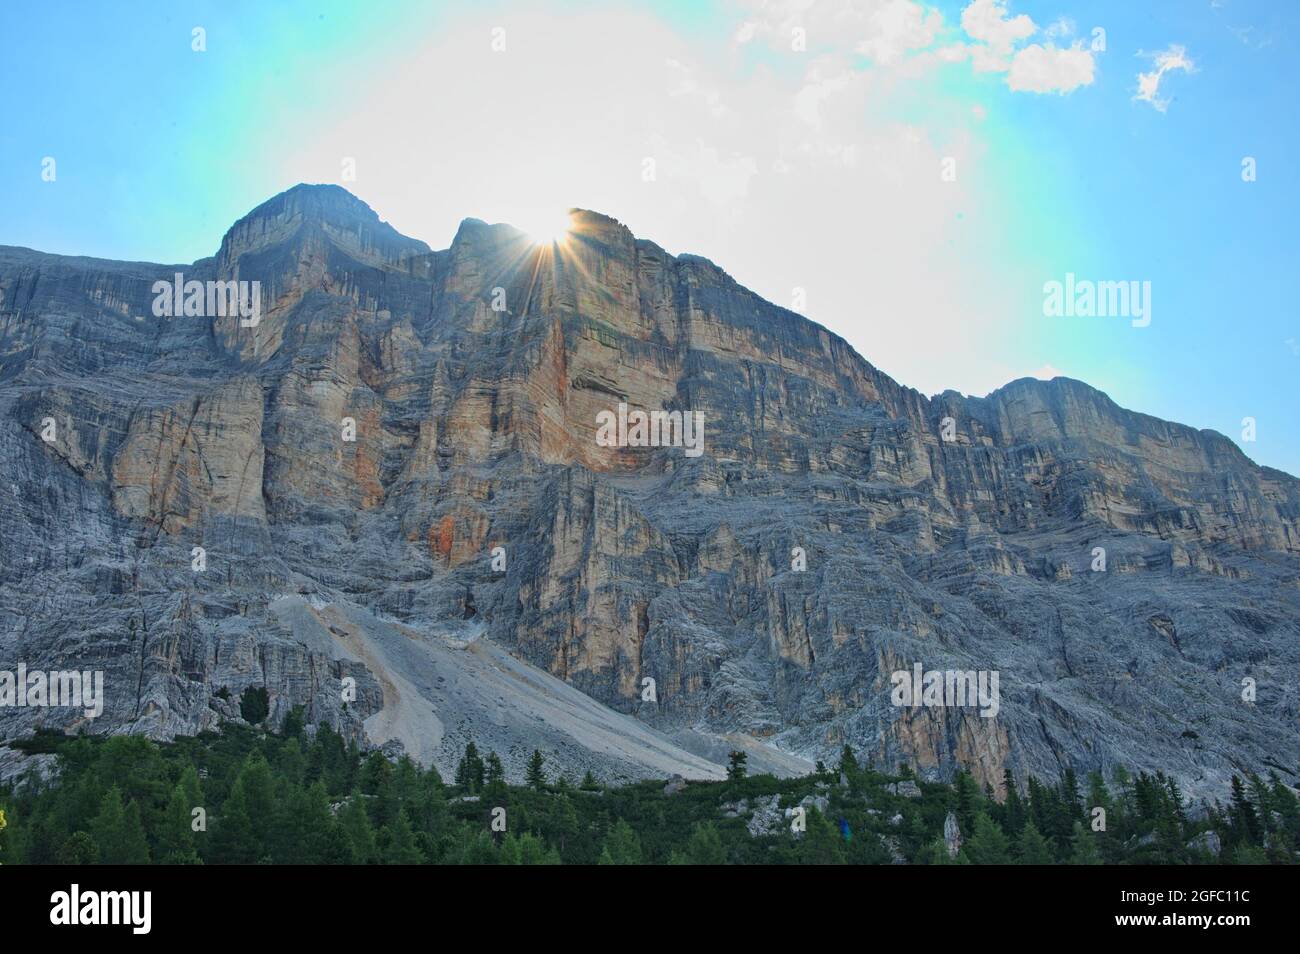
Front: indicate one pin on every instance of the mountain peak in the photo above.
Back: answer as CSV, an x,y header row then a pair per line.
x,y
583,223
311,210
314,200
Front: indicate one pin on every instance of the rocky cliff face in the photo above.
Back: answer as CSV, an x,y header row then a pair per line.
x,y
351,462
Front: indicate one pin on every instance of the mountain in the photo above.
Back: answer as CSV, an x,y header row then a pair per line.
x,y
951,532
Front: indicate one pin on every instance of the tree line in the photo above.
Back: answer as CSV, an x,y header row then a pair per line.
x,y
299,796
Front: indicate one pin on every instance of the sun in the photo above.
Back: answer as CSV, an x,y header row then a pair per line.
x,y
548,229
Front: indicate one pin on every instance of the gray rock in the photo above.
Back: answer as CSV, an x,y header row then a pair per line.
x,y
951,834
767,818
819,802
19,769
370,560
894,847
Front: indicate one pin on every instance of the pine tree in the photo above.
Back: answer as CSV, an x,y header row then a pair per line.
x,y
1031,846
589,783
737,768
848,764
288,764
936,853
533,851
1083,846
1261,798
511,852
536,776
477,847
255,705
338,847
333,758
622,846
406,780
1249,855
821,843
987,844
175,845
469,772
234,840
494,787
1287,805
399,843
428,813
560,824
118,832
350,764
191,787
356,826
705,846
967,798
376,773
1098,796
303,826
1176,802
79,849
1245,824
293,723
1013,809
1069,789
258,786
1038,804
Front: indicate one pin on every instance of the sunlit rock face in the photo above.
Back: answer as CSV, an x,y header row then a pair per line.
x,y
350,463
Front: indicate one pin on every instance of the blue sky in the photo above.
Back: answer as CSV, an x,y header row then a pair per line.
x,y
815,168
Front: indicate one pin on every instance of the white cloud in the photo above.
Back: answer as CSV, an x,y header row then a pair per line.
x,y
984,59
987,21
1061,27
1036,68
897,26
1174,58
1045,69
902,36
883,30
1047,372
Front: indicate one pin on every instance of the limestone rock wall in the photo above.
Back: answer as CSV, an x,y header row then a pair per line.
x,y
474,427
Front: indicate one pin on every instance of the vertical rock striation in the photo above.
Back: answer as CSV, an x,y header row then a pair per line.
x,y
476,428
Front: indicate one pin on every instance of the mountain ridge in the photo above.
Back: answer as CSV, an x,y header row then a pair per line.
x,y
323,197
474,428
